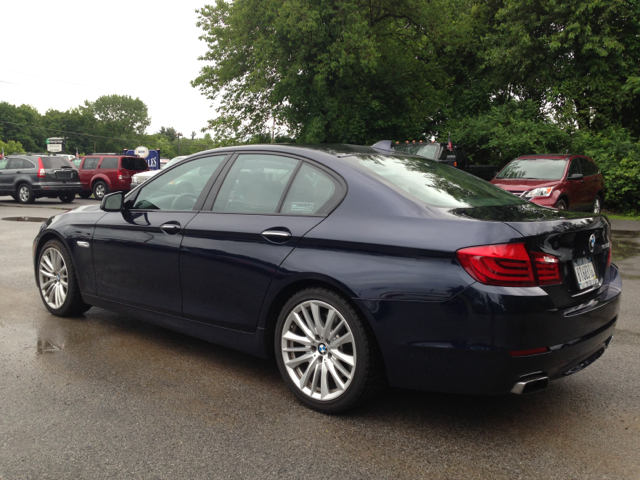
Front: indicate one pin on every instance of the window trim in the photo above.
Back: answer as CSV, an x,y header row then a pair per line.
x,y
131,197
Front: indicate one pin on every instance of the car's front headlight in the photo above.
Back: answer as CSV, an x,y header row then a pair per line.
x,y
539,192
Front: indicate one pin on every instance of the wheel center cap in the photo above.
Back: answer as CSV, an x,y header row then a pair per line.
x,y
58,277
322,349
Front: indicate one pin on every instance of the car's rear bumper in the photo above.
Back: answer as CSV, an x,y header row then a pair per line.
x,y
467,344
55,189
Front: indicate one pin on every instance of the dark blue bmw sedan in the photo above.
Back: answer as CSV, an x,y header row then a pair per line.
x,y
354,266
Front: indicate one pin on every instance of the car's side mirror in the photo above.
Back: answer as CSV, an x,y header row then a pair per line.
x,y
576,176
114,202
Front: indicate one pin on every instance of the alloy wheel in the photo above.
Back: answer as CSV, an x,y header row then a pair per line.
x,y
53,278
24,193
318,350
99,191
597,206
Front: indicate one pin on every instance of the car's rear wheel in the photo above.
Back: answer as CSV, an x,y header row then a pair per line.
x,y
326,353
85,194
25,194
57,281
597,204
561,205
67,197
100,189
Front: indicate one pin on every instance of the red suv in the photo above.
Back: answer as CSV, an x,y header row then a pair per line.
x,y
101,174
564,182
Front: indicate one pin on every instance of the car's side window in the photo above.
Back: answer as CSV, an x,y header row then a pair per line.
x,y
28,164
574,167
588,168
179,188
310,191
255,184
110,163
90,163
3,163
14,164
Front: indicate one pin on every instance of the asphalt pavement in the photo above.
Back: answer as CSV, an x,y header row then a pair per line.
x,y
107,396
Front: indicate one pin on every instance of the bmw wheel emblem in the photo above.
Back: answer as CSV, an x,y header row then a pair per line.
x,y
592,243
322,348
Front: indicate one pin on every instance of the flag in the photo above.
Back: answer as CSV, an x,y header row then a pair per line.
x,y
2,154
77,156
450,145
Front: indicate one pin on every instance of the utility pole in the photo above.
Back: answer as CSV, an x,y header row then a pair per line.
x,y
179,135
273,131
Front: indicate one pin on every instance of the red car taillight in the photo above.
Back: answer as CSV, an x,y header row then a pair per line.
x,y
41,173
509,265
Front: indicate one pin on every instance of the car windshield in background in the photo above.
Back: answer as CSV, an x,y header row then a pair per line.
x,y
434,183
134,163
538,169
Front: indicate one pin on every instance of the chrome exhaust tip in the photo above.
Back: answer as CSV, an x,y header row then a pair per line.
x,y
530,384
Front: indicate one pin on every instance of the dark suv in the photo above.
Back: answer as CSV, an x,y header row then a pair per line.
x,y
27,177
101,173
565,182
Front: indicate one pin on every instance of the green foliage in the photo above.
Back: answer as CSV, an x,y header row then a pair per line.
x,y
507,131
22,124
618,156
11,147
326,70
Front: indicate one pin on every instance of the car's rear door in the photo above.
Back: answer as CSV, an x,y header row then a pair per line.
x,y
136,252
260,208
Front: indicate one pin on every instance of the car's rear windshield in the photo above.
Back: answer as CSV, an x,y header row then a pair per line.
x,y
534,169
434,183
134,163
55,162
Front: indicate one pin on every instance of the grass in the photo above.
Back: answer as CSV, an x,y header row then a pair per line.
x,y
616,216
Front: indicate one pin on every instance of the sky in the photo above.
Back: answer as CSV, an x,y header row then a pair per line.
x,y
59,54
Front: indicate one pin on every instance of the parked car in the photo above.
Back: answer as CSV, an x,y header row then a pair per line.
x,y
352,266
565,182
27,177
101,174
140,178
439,151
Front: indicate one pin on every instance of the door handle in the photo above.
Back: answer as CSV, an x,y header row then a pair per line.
x,y
170,228
18,172
277,235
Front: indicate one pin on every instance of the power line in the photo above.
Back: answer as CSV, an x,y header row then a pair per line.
x,y
187,141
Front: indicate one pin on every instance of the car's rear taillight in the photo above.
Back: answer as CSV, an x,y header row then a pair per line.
x,y
119,174
509,265
609,253
546,268
41,172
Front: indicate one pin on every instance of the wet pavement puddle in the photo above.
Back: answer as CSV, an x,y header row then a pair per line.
x,y
625,244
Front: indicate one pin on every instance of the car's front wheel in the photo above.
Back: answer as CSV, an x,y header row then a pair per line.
x,y
57,281
561,205
326,354
597,204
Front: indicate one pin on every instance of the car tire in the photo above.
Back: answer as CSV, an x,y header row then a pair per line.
x,y
85,194
342,365
561,205
100,189
24,194
67,197
57,281
597,204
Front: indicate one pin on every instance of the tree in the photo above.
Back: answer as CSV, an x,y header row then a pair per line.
x,y
325,70
11,147
171,133
575,56
22,124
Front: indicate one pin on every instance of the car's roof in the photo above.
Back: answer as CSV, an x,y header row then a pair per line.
x,y
546,156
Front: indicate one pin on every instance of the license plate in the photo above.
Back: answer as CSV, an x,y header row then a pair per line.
x,y
585,273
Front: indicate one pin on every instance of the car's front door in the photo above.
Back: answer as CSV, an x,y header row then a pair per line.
x,y
136,252
576,188
265,204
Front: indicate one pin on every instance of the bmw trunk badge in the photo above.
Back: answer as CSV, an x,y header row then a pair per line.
x,y
592,243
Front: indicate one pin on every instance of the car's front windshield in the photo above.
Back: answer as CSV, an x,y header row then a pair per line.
x,y
433,182
534,169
